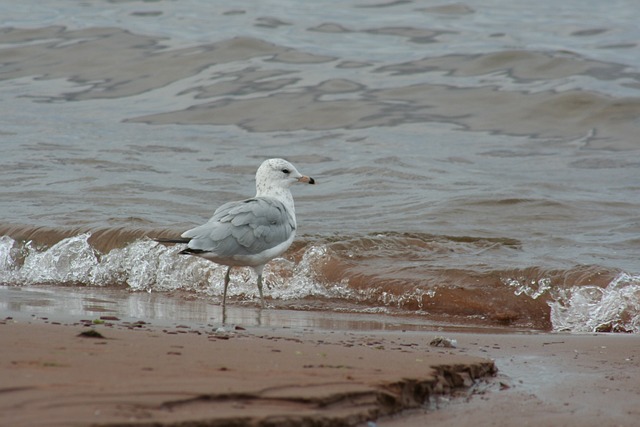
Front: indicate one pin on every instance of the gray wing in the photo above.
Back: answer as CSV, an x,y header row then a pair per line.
x,y
247,227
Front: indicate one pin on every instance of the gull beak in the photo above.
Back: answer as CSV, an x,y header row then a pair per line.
x,y
306,180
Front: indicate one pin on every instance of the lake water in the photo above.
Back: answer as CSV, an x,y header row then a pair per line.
x,y
478,162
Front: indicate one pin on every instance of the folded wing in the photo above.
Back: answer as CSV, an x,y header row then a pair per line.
x,y
247,227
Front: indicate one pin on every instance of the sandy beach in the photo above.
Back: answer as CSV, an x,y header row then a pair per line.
x,y
138,373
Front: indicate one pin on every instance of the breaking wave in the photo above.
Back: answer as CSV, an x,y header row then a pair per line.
x,y
342,275
145,265
614,308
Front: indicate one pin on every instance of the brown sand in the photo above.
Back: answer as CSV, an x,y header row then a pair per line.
x,y
139,374
148,376
586,380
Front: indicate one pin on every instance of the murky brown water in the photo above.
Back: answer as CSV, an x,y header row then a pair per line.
x,y
478,163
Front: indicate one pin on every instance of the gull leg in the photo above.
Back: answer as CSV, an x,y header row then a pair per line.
x,y
226,285
258,270
260,290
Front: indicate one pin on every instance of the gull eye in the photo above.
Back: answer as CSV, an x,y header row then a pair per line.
x,y
286,171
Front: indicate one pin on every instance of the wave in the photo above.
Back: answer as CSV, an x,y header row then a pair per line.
x,y
614,308
378,273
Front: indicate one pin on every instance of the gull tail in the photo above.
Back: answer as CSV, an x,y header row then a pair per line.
x,y
178,240
183,240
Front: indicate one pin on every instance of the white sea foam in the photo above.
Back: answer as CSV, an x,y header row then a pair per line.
x,y
7,256
145,265
590,308
533,288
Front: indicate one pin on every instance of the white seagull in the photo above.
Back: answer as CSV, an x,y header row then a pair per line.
x,y
251,232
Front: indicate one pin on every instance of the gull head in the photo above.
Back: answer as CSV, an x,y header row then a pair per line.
x,y
276,174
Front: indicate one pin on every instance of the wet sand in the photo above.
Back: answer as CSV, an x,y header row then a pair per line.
x,y
144,374
545,380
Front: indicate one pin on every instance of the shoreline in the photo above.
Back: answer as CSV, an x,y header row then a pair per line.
x,y
301,369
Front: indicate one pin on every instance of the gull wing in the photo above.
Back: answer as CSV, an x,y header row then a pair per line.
x,y
247,227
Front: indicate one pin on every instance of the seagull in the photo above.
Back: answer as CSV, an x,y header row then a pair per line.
x,y
250,232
